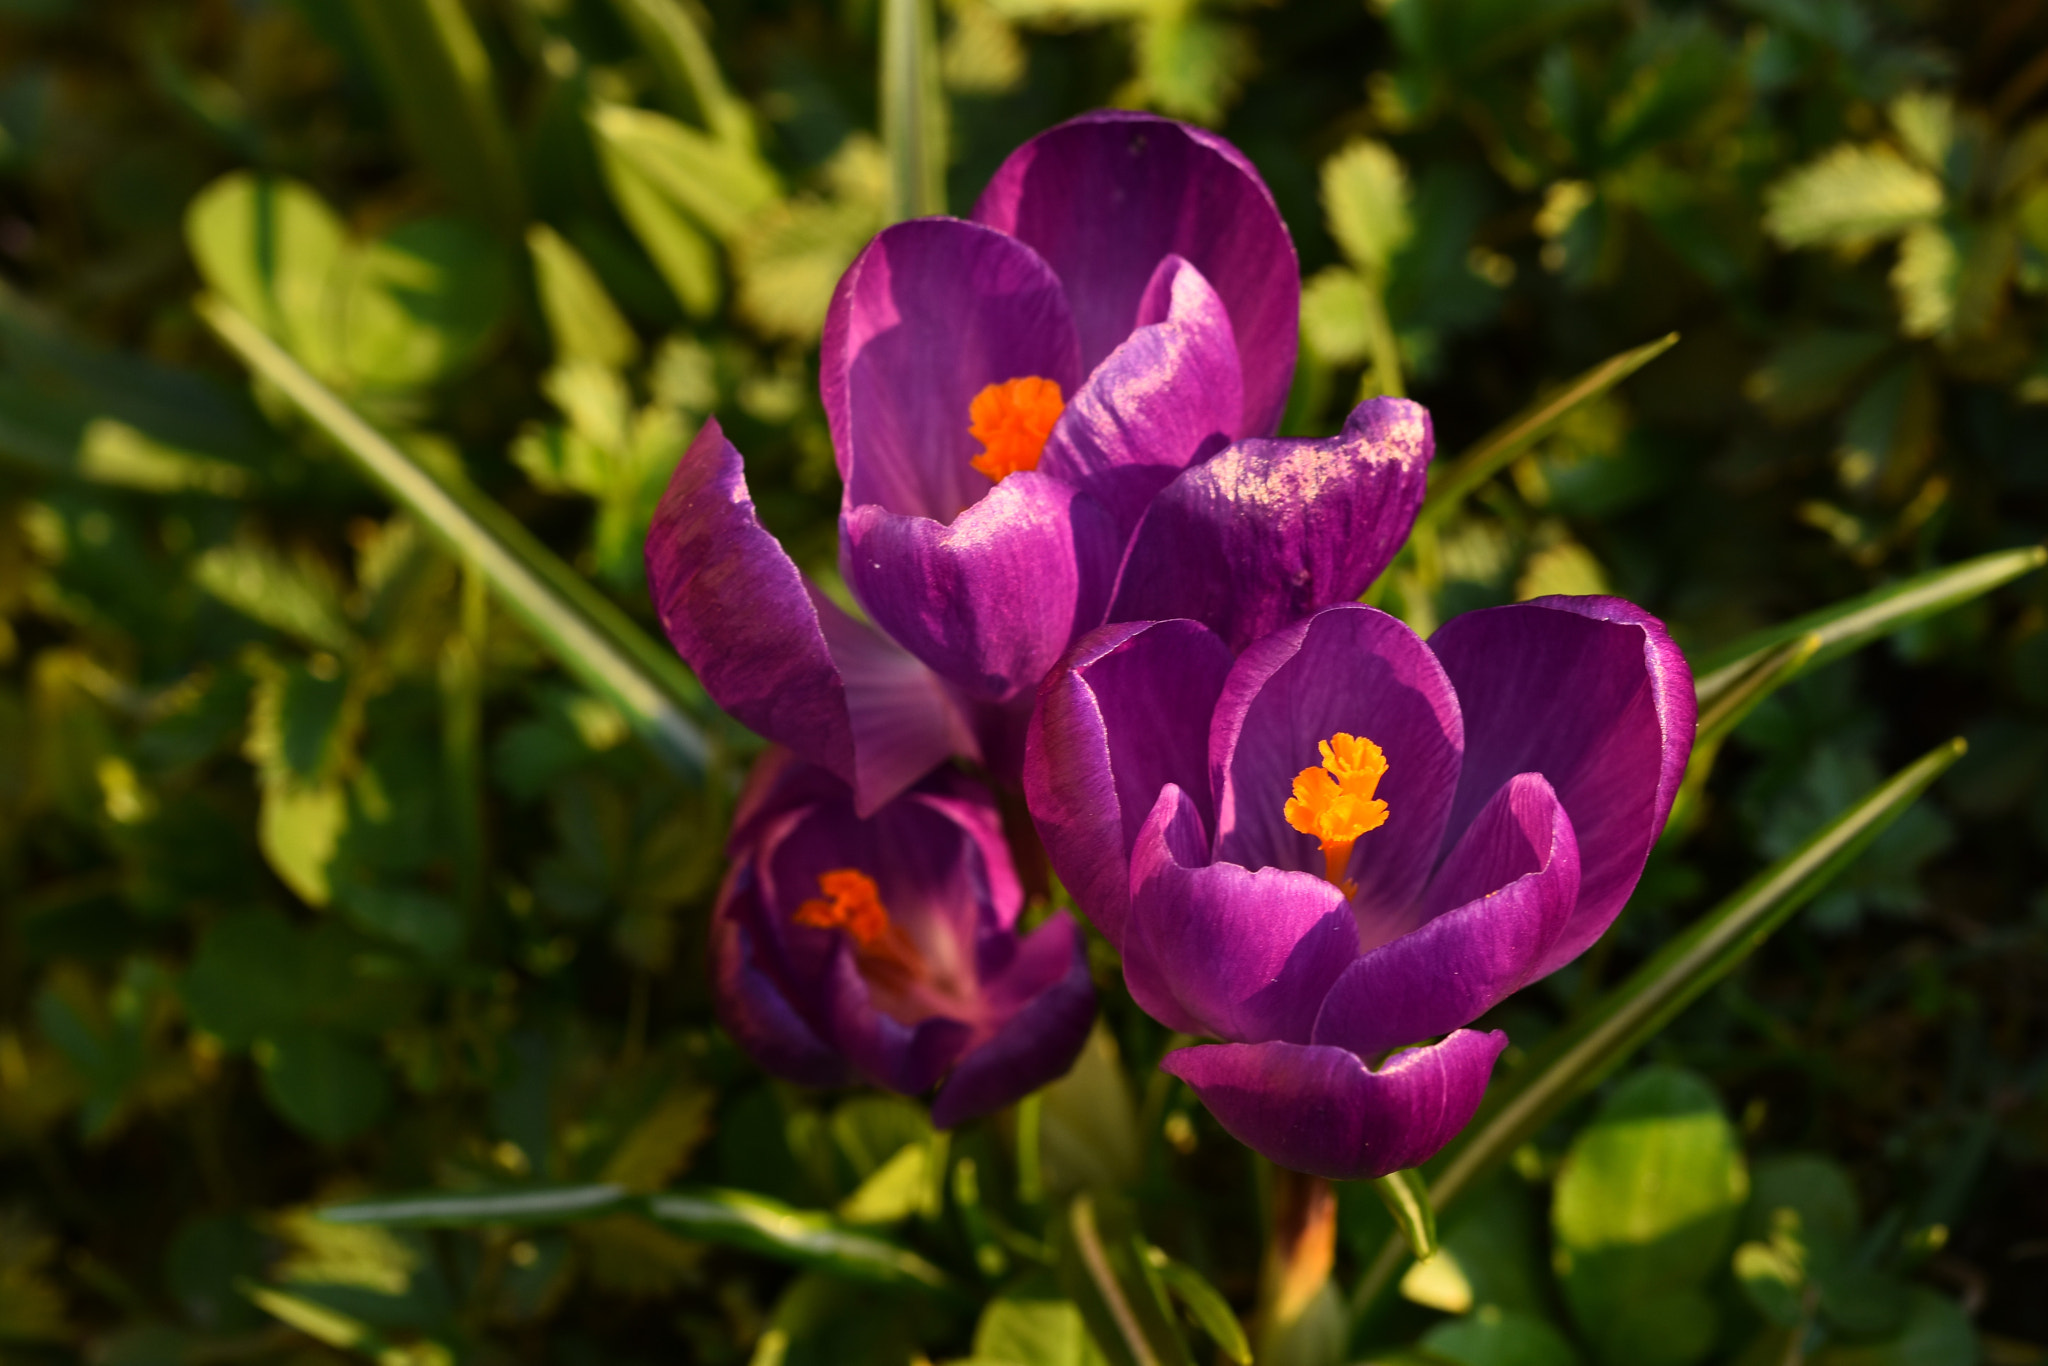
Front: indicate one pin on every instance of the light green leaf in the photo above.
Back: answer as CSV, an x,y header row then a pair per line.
x,y
1645,1211
1452,483
894,1191
681,253
913,110
296,596
1925,279
1056,12
719,185
1850,625
420,303
582,319
1365,200
791,259
299,829
437,74
1336,321
1406,1197
1925,121
1205,1305
1851,197
982,55
112,452
1032,1324
518,1207
806,1238
1190,65
588,634
668,32
271,247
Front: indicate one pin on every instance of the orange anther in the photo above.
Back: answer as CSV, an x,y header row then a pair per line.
x,y
1012,421
853,903
1335,802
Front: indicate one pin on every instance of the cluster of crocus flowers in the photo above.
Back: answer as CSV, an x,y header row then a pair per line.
x,y
1087,567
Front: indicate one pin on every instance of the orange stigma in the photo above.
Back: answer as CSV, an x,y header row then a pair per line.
x,y
1335,802
853,903
1012,420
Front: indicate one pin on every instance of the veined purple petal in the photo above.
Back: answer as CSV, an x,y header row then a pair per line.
x,y
931,313
1268,531
1592,694
1125,714
1170,394
751,1007
1212,948
991,601
1318,1109
1349,669
1105,197
1045,1003
1510,886
773,652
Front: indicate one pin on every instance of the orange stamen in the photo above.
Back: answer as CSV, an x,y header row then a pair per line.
x,y
853,903
1012,420
1335,802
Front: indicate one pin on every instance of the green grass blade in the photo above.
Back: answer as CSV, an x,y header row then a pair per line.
x,y
1457,480
520,1208
913,110
804,1237
437,75
1853,624
1581,1054
586,632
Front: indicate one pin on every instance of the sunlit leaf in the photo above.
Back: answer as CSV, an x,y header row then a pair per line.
x,y
585,324
1851,197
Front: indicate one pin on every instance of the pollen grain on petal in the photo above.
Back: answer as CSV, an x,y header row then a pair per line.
x,y
1012,421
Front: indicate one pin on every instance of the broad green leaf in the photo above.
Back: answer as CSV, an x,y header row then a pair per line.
x,y
299,828
1494,1337
719,185
1453,483
681,252
894,1191
1365,200
1492,1256
271,247
437,74
1644,1213
1104,1270
1925,279
1032,1324
1937,1333
1088,1130
806,1238
1622,1020
1850,625
668,32
1204,1304
1851,197
1336,305
589,635
326,1085
913,114
1925,121
582,319
519,1207
296,596
1406,1197
298,727
420,303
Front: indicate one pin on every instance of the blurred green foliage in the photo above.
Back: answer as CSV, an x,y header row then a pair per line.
x,y
322,880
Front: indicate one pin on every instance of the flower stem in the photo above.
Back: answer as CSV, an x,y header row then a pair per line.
x,y
1299,1253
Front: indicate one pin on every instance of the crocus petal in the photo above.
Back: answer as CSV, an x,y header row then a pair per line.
x,y
1124,715
1318,1109
1103,198
776,654
1050,1001
1356,670
1270,530
1169,395
932,312
752,1008
1592,694
1212,948
1517,873
992,601
909,1058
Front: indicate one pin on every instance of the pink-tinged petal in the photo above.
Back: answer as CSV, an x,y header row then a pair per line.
x,y
1509,889
1105,197
1269,531
1212,948
1041,1007
898,1056
992,601
1169,395
930,314
1358,671
752,1008
1318,1109
776,654
968,805
1126,714
1592,694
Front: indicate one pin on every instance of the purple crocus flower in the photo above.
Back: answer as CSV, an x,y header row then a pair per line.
x,y
886,947
1346,843
1055,415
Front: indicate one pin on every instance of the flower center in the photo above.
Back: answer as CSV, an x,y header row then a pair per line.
x,y
1335,801
1012,420
852,903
